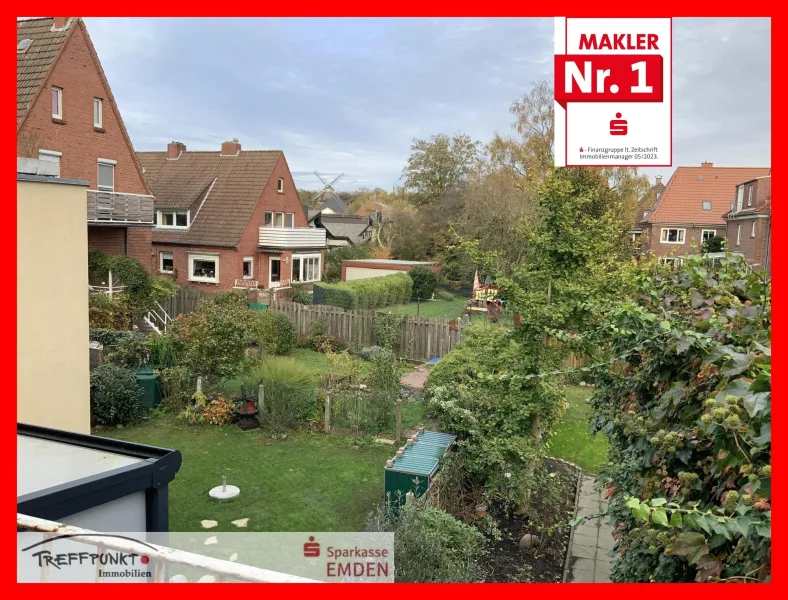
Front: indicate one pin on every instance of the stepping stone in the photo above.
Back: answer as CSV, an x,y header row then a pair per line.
x,y
207,579
240,522
233,557
211,540
209,524
415,379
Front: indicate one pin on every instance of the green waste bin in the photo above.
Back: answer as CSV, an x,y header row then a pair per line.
x,y
257,306
148,380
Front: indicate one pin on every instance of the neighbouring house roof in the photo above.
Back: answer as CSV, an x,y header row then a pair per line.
x,y
648,200
221,192
33,64
682,199
335,204
759,209
348,227
368,209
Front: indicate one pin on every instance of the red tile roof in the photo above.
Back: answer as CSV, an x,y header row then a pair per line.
x,y
33,64
682,199
221,191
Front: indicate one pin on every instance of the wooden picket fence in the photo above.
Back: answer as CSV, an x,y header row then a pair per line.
x,y
420,339
184,302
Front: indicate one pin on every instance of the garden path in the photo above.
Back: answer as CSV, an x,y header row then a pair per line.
x,y
592,540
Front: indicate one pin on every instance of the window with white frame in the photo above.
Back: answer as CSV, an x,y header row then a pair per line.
x,y
752,232
280,185
248,267
289,219
269,219
306,268
706,205
749,195
279,219
204,268
707,234
98,116
739,197
106,175
172,219
672,260
672,236
166,264
57,103
738,235
50,156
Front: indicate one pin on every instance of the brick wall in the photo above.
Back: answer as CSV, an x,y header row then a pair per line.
x,y
693,241
753,247
109,240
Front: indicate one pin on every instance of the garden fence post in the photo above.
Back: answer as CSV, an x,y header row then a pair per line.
x,y
399,420
199,385
327,418
260,400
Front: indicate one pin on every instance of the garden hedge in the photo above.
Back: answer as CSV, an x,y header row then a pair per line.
x,y
365,293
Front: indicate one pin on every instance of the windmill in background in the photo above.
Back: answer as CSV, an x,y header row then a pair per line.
x,y
328,190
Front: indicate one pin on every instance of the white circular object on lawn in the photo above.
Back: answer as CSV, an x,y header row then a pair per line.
x,y
224,491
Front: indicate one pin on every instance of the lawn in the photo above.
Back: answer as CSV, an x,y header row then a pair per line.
x,y
307,482
572,439
316,362
430,309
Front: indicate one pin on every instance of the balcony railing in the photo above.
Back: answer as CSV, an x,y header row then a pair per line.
x,y
220,570
117,208
292,237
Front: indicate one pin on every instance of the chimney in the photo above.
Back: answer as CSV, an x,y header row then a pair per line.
x,y
659,180
59,23
706,164
174,150
231,148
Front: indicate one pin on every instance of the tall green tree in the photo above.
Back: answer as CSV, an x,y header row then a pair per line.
x,y
439,165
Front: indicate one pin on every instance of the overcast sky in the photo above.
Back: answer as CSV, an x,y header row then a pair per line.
x,y
349,95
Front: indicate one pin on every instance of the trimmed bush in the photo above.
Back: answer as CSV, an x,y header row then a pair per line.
x,y
212,340
109,337
370,352
444,295
430,545
273,332
365,293
290,391
424,282
131,351
115,396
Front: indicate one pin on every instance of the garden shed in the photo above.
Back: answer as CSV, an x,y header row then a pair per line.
x,y
414,470
378,267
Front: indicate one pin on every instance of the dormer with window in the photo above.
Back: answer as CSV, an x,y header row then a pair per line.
x,y
172,219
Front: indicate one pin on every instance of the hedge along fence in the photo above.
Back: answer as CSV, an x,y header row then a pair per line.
x,y
365,293
420,339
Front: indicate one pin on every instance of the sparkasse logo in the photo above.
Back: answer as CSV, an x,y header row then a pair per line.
x,y
311,548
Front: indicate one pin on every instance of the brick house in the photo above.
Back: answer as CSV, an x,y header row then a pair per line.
x,y
66,115
230,219
690,209
749,221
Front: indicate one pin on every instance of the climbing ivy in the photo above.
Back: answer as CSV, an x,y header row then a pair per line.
x,y
688,416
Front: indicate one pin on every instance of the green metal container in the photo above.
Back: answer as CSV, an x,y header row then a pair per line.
x,y
414,470
257,306
148,380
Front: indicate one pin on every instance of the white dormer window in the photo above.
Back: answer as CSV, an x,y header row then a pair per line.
x,y
172,219
749,196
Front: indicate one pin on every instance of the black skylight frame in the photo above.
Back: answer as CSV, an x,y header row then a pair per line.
x,y
157,467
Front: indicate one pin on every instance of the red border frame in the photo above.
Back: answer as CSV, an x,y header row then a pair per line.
x,y
566,110
568,8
